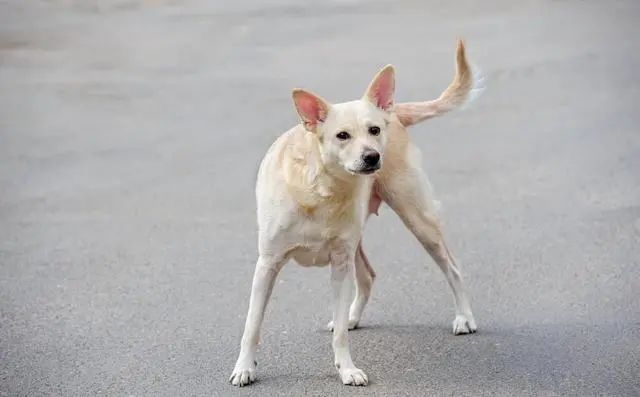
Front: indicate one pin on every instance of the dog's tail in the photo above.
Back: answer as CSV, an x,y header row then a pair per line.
x,y
466,85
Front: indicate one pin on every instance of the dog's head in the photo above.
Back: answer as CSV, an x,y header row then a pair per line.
x,y
352,135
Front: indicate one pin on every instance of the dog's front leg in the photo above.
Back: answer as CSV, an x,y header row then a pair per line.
x,y
264,277
342,282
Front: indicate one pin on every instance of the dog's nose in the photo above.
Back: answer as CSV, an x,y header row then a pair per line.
x,y
370,157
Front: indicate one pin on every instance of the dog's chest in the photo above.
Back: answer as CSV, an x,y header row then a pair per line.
x,y
307,229
313,230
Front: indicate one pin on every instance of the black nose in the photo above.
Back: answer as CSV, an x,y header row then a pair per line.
x,y
370,157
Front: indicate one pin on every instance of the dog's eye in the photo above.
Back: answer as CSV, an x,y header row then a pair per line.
x,y
343,135
374,130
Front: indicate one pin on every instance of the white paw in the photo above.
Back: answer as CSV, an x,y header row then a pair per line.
x,y
464,324
353,376
243,375
353,323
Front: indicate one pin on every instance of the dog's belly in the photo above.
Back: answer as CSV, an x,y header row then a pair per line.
x,y
316,255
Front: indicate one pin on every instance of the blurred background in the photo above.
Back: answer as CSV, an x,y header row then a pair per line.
x,y
130,134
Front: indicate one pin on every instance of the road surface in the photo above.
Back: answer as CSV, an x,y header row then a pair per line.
x,y
130,134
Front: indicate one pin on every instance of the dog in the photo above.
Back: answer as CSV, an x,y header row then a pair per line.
x,y
316,187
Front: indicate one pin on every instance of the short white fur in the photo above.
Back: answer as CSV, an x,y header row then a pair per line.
x,y
315,191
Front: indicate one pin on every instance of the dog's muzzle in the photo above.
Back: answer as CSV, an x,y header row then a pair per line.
x,y
371,158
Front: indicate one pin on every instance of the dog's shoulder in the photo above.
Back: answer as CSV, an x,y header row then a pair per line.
x,y
290,164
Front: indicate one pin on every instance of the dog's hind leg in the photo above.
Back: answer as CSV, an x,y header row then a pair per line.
x,y
364,281
407,192
264,277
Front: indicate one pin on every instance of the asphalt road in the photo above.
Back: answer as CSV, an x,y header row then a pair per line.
x,y
130,134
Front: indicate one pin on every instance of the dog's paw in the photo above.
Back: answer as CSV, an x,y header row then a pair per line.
x,y
464,324
353,376
243,375
353,324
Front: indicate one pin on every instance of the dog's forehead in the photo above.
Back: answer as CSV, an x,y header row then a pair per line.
x,y
358,112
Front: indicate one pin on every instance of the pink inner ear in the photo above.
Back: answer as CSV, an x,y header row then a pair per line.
x,y
310,108
382,95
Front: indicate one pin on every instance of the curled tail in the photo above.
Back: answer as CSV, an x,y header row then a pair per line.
x,y
466,84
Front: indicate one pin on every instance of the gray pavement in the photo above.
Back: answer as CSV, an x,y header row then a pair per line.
x,y
130,133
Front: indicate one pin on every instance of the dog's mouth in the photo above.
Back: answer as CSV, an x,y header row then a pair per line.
x,y
366,171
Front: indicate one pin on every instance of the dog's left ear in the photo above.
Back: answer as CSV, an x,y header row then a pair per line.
x,y
381,88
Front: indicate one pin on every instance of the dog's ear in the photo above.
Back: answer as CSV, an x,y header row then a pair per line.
x,y
381,88
312,109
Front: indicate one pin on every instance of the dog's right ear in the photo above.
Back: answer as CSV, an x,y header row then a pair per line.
x,y
312,109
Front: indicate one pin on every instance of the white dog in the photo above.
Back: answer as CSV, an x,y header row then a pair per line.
x,y
318,183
